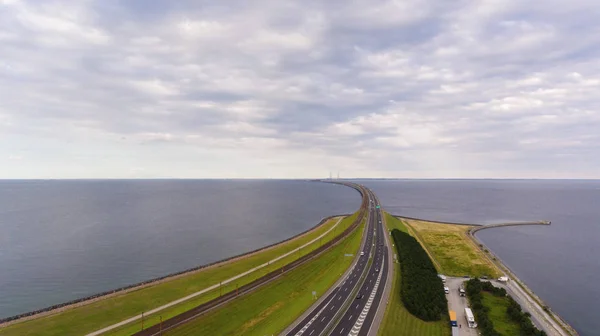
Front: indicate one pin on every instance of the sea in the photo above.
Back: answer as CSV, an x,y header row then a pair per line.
x,y
560,262
62,240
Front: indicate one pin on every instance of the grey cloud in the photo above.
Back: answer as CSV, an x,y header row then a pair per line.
x,y
503,82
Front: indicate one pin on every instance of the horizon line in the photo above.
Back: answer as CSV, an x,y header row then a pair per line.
x,y
298,178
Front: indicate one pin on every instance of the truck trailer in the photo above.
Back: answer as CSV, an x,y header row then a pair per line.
x,y
453,321
470,318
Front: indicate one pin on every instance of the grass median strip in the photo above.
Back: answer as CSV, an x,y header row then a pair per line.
x,y
110,310
397,320
273,307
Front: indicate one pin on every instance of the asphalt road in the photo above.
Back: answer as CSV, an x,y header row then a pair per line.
x,y
217,302
458,304
357,317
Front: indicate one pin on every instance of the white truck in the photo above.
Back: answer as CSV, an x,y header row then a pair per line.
x,y
470,318
503,279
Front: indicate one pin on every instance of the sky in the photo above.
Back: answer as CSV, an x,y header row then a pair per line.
x,y
298,89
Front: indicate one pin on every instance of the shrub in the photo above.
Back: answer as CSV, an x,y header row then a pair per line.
x,y
513,311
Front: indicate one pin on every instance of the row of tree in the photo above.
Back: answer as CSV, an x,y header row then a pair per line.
x,y
421,290
516,314
474,289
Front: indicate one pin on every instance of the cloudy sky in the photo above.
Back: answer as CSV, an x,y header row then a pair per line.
x,y
286,89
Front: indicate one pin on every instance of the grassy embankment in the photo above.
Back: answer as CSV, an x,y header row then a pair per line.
x,y
497,314
107,311
273,307
452,250
397,320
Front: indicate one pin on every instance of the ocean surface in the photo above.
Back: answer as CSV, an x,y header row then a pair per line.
x,y
560,263
62,240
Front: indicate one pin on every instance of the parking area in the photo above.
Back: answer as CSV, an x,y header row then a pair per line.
x,y
458,304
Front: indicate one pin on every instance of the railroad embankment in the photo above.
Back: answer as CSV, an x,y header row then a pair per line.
x,y
101,310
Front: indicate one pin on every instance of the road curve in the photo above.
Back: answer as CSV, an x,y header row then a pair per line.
x,y
351,307
204,308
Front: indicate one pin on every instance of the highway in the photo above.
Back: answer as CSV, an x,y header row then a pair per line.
x,y
193,313
351,307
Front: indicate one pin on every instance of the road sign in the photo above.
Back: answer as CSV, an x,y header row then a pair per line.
x,y
378,207
348,255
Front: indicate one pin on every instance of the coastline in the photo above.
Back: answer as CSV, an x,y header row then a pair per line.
x,y
65,306
47,311
566,328
564,325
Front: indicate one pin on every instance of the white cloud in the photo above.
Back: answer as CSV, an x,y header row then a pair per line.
x,y
14,157
296,89
154,87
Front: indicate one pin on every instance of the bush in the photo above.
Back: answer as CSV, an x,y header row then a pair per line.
x,y
513,311
421,290
473,289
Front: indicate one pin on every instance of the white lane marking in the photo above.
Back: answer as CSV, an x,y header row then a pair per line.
x,y
313,319
358,324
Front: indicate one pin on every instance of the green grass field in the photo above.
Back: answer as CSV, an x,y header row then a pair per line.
x,y
453,252
272,308
99,314
497,314
397,320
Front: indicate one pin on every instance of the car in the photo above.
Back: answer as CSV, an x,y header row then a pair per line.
x,y
362,253
466,276
446,290
377,270
359,296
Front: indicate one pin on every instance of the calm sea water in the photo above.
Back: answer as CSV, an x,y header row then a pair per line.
x,y
560,263
61,240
